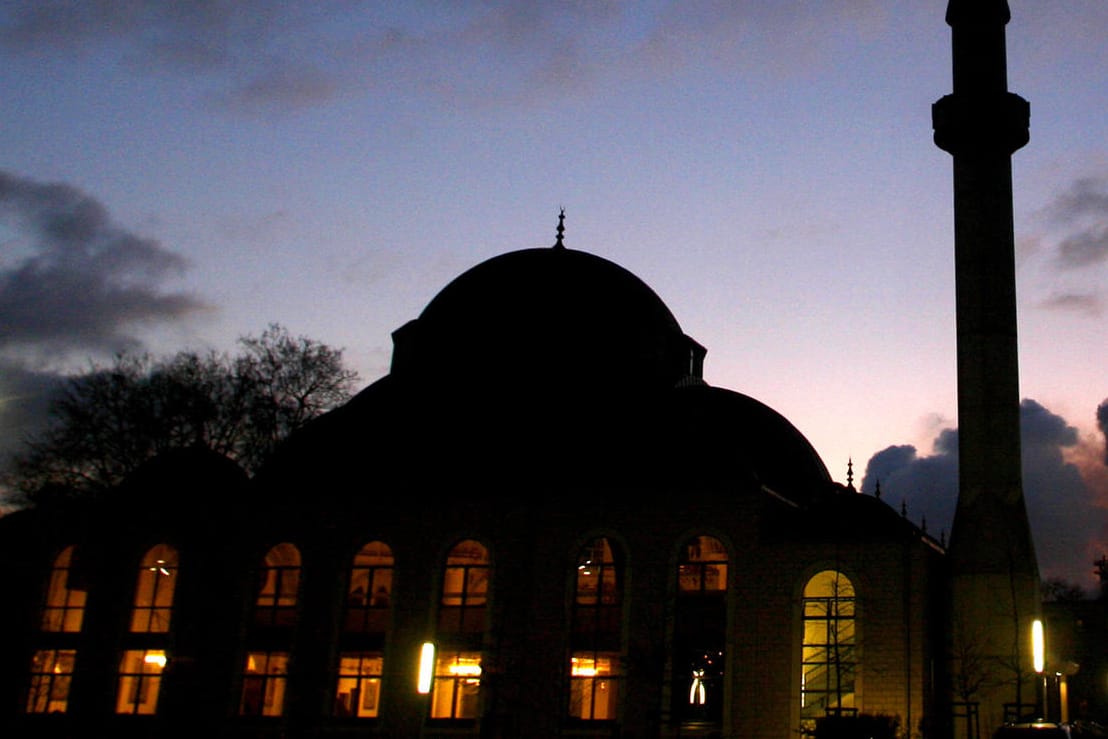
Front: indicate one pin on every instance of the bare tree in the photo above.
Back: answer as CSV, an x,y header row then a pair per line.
x,y
111,419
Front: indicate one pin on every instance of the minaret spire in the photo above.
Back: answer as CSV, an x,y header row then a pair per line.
x,y
995,589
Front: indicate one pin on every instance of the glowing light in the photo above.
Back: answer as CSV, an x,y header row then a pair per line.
x,y
1038,649
426,668
155,658
583,667
697,691
465,668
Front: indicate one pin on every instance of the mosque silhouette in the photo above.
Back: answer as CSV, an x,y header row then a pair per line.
x,y
543,522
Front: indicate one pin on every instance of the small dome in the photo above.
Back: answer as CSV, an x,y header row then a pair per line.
x,y
732,433
541,313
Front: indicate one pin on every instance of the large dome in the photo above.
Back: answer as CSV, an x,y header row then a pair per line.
x,y
542,313
559,361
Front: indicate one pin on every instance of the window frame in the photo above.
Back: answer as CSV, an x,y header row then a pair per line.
x,y
465,611
48,678
139,683
63,607
596,631
457,681
368,670
835,617
370,615
271,679
278,596
155,590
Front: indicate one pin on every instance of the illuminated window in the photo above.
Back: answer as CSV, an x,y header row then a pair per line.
x,y
594,686
465,587
140,678
276,604
359,684
829,658
65,605
700,624
263,684
456,688
598,599
370,590
596,639
51,672
157,579
703,566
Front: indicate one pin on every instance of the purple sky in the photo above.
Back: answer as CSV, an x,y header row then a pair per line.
x,y
178,174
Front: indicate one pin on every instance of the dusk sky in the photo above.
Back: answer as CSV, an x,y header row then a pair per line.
x,y
177,174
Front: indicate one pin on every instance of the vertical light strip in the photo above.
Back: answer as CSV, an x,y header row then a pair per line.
x,y
1037,646
426,668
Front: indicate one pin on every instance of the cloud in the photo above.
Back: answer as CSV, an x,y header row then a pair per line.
x,y
1067,497
1080,213
1102,424
282,88
1090,304
1086,196
25,398
194,34
254,56
83,283
1085,248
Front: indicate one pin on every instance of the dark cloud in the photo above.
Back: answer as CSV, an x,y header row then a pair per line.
x,y
1086,196
25,398
1068,520
1085,248
927,485
255,56
85,283
196,34
1080,213
1102,424
1088,303
278,89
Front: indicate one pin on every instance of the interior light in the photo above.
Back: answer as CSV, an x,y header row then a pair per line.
x,y
583,667
1037,646
465,668
426,668
155,658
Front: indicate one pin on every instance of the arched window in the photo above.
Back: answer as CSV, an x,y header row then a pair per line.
x,y
276,603
370,590
157,579
465,588
829,662
361,656
51,673
700,624
64,609
455,691
596,640
140,680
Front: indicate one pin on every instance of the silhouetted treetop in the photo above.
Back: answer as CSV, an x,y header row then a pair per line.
x,y
111,419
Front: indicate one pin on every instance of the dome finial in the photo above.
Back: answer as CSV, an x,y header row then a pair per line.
x,y
850,473
558,243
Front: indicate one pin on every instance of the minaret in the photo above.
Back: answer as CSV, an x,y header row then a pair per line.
x,y
995,585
